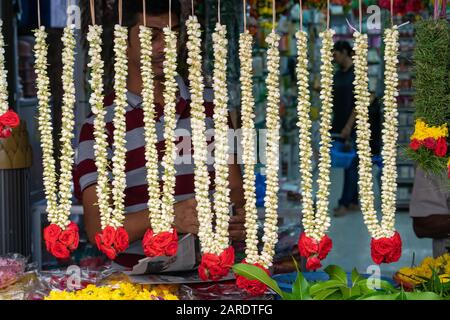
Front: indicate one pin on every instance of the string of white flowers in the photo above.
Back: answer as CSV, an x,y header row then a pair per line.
x,y
119,121
363,136
67,125
322,218
222,192
390,132
96,65
202,180
270,237
45,124
170,66
248,147
151,153
3,74
304,125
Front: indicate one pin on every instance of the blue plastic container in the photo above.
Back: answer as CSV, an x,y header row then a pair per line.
x,y
340,158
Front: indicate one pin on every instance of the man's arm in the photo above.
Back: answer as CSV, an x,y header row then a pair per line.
x,y
434,226
137,223
347,130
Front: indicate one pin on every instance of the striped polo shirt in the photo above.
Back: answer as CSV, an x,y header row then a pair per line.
x,y
136,195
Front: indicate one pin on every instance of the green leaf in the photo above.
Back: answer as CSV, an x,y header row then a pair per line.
x,y
392,296
324,294
337,273
301,288
422,296
321,286
356,277
254,273
402,295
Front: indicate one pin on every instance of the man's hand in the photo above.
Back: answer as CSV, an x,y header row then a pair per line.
x,y
237,225
186,217
346,132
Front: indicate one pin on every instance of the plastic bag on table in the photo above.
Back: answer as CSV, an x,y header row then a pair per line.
x,y
69,279
12,267
28,287
217,291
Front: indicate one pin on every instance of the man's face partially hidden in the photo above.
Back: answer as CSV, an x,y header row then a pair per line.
x,y
157,24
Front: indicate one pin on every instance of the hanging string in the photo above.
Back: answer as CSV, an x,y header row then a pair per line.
x,y
301,15
273,15
144,12
39,12
170,14
192,3
218,11
92,12
392,13
245,14
328,14
436,9
67,12
360,16
120,12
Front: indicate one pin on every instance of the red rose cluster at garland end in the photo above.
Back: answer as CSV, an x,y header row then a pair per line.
x,y
60,243
214,267
112,241
433,138
314,250
161,244
8,121
252,287
386,250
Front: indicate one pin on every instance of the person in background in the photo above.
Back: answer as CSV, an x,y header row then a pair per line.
x,y
136,196
430,210
344,121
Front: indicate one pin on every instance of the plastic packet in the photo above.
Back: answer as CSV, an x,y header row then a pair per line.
x,y
12,267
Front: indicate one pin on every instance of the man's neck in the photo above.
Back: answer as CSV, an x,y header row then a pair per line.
x,y
347,65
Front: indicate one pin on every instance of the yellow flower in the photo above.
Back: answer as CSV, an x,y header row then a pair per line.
x,y
444,278
423,131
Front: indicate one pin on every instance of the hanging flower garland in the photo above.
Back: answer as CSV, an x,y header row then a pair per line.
x,y
162,239
8,118
270,238
114,239
61,236
218,255
314,244
151,241
386,243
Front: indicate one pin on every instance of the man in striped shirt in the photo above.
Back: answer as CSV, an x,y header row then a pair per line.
x,y
85,174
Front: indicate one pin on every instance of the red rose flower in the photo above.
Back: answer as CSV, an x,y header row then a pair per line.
x,y
441,147
214,267
10,119
108,235
386,250
73,226
69,238
429,143
162,244
415,144
253,287
105,241
121,240
413,6
51,233
313,263
325,246
5,132
59,250
307,246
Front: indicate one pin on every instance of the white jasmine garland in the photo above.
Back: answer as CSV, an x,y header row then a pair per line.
x,y
3,74
390,132
322,219
67,125
151,153
170,66
56,215
199,143
45,125
119,121
96,65
363,136
270,237
304,124
222,192
248,147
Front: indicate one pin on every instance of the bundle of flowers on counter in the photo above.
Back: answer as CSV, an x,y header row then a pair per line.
x,y
433,138
120,291
402,7
412,276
